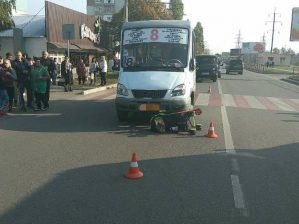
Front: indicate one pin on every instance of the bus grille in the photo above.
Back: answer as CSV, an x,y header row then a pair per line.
x,y
152,94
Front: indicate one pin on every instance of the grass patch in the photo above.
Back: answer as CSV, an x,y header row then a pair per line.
x,y
287,68
266,70
294,77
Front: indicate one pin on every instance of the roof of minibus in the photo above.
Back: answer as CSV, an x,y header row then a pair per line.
x,y
157,23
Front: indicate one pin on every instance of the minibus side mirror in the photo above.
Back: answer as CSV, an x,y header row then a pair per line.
x,y
192,64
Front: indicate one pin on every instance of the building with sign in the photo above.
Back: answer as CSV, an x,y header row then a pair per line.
x,y
263,58
34,34
104,9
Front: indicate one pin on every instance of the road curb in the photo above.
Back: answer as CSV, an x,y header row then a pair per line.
x,y
291,81
95,90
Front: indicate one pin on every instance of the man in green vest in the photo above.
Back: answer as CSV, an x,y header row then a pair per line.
x,y
39,76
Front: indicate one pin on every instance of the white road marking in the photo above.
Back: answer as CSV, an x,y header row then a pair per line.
x,y
282,105
296,101
230,148
238,193
254,103
228,100
229,144
235,164
203,99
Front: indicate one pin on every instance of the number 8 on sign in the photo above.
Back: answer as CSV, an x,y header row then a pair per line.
x,y
154,35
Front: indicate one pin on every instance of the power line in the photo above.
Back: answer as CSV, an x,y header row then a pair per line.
x,y
33,17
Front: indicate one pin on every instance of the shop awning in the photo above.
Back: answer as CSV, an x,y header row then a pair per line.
x,y
79,47
63,46
93,48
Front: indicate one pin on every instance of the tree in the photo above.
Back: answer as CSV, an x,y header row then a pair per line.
x,y
177,9
6,7
138,11
276,50
283,50
199,39
290,51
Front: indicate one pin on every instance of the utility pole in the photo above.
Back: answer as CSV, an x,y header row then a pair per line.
x,y
239,40
126,11
273,29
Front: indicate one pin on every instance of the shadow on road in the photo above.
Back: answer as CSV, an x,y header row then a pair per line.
x,y
192,189
76,116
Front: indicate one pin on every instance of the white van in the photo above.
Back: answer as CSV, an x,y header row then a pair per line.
x,y
157,67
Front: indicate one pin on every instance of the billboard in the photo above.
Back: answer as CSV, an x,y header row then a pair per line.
x,y
235,52
253,47
295,25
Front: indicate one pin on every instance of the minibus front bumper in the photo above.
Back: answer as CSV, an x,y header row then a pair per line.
x,y
152,105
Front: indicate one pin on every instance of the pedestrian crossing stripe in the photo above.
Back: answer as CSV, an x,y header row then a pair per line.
x,y
244,101
229,100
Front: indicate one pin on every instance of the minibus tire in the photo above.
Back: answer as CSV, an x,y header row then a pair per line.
x,y
122,115
192,99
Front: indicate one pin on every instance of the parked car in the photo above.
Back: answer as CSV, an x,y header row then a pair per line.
x,y
207,67
235,66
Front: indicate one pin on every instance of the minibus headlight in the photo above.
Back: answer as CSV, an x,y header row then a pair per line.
x,y
122,90
179,90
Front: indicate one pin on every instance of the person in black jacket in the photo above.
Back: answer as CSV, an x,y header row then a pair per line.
x,y
10,78
7,75
50,66
22,69
66,73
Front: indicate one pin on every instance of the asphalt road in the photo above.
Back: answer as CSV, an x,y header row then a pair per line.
x,y
67,164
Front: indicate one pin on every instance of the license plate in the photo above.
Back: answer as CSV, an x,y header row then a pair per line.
x,y
149,107
206,73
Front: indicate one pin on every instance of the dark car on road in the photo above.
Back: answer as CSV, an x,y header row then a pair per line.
x,y
235,66
207,67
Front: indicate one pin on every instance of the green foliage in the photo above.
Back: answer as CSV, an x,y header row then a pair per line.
x,y
177,9
6,7
139,11
199,39
276,50
283,50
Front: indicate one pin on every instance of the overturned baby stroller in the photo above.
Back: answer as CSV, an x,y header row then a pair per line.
x,y
176,122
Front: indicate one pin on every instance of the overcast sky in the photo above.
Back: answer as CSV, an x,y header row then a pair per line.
x,y
222,20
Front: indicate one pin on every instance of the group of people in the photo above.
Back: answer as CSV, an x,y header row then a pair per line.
x,y
21,75
33,76
94,69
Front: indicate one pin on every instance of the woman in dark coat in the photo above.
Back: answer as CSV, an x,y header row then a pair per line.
x,y
7,77
10,80
66,73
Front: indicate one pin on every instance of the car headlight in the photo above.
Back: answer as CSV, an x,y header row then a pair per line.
x,y
122,90
179,90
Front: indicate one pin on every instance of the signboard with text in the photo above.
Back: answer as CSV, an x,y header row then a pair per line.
x,y
295,25
160,35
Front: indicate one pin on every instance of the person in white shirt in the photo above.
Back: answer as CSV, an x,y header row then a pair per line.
x,y
111,64
103,66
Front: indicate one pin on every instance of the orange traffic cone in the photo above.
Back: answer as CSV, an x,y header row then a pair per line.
x,y
134,172
211,133
210,89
